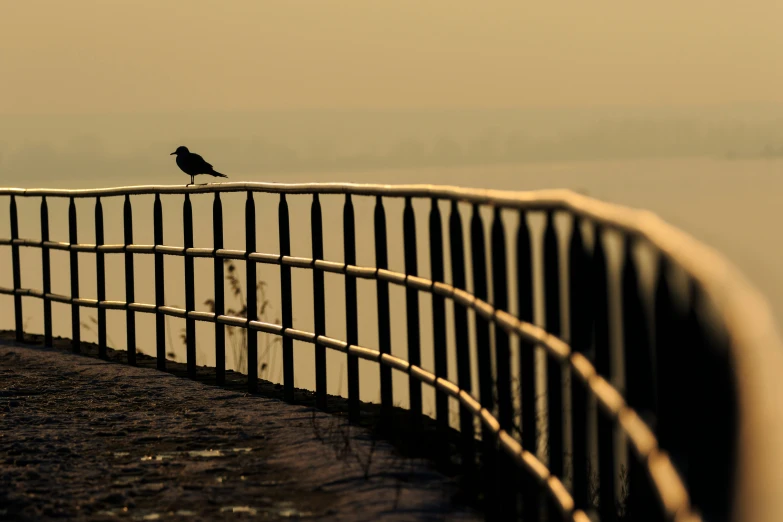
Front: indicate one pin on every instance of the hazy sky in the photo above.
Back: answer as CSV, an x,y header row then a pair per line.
x,y
143,55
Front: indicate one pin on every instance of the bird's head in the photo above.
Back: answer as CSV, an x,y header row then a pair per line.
x,y
180,150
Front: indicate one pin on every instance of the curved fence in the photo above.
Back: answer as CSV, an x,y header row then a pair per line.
x,y
662,401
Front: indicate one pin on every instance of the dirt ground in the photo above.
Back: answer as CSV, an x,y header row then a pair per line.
x,y
86,439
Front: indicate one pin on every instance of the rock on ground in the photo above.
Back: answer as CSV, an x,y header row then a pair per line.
x,y
85,439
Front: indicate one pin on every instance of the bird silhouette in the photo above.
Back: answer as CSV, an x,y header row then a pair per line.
x,y
193,164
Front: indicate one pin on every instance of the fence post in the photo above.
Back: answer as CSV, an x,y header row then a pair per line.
x,y
252,293
74,256
384,318
319,301
439,329
17,272
412,313
639,361
531,502
666,357
464,380
678,381
581,341
190,283
639,379
603,365
286,300
554,375
46,272
160,293
500,302
707,418
100,271
220,296
351,309
130,315
484,352
507,485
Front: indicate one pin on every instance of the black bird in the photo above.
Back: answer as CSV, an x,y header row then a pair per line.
x,y
193,164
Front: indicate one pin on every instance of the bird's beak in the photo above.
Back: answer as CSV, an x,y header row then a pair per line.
x,y
172,153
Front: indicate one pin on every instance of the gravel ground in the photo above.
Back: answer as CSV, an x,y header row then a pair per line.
x,y
85,439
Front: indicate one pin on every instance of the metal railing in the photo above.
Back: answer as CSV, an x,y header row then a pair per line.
x,y
700,406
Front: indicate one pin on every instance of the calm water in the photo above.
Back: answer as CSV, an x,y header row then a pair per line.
x,y
732,205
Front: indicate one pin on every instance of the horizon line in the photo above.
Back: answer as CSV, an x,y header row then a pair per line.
x,y
410,109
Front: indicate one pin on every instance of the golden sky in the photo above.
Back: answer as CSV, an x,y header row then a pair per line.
x,y
85,56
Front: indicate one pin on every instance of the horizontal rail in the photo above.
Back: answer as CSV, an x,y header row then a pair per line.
x,y
510,199
530,332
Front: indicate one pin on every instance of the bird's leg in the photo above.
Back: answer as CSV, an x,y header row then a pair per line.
x,y
192,179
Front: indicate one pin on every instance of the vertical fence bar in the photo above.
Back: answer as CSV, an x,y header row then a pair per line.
x,y
706,414
506,482
100,272
384,318
639,361
412,310
439,328
220,296
484,349
252,293
286,300
160,288
554,373
17,269
639,379
603,365
673,354
677,376
685,387
190,284
666,357
531,504
695,415
351,308
319,302
500,299
467,427
75,313
130,296
581,340
46,272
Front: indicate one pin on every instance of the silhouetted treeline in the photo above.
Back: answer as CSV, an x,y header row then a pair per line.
x,y
40,148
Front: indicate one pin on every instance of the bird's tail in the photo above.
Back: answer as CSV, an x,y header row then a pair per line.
x,y
218,174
